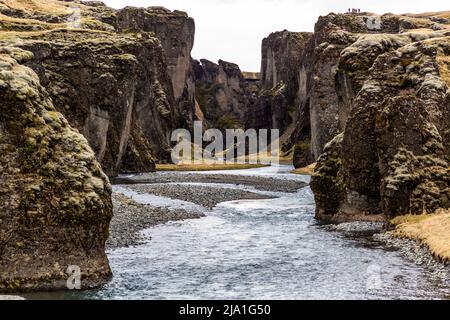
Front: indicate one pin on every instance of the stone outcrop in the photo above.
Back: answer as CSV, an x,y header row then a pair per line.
x,y
223,94
176,32
55,201
327,90
114,90
125,83
393,156
281,78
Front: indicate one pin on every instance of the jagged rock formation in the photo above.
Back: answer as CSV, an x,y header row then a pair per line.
x,y
327,99
176,31
280,81
223,94
116,84
115,91
55,201
118,94
391,103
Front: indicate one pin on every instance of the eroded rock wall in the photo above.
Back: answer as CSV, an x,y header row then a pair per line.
x,y
336,63
115,90
176,32
393,155
123,78
280,96
223,94
55,201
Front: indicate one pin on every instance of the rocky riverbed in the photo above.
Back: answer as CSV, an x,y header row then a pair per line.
x,y
264,183
131,216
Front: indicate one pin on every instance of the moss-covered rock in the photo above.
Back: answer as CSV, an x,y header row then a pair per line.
x,y
395,149
55,200
113,88
327,183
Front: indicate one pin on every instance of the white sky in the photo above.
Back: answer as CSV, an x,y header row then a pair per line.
x,y
232,30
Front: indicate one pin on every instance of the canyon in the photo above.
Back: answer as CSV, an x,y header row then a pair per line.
x,y
90,92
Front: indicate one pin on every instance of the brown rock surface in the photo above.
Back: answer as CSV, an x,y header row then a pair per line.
x,y
394,155
55,201
176,32
223,94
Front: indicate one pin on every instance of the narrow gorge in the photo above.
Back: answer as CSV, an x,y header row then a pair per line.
x,y
90,95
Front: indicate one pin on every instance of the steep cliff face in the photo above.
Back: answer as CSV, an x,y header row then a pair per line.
x,y
55,201
280,80
333,75
392,158
223,94
114,90
176,31
114,87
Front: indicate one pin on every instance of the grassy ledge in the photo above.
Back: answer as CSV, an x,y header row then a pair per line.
x,y
432,230
208,167
306,171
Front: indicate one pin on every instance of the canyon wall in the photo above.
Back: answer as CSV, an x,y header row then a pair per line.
x,y
123,78
223,94
116,91
176,32
281,79
55,201
369,103
68,68
388,107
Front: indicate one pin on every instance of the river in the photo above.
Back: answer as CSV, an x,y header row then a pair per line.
x,y
265,249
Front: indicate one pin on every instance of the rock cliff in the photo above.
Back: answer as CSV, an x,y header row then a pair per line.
x,y
281,78
114,90
123,78
55,201
223,94
389,103
176,32
324,89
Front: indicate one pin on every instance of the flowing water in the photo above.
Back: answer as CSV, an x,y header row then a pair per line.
x,y
264,249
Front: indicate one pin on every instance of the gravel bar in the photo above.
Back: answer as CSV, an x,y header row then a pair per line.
x,y
205,196
258,182
131,217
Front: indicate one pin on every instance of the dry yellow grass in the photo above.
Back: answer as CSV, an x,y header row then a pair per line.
x,y
207,167
444,67
251,75
420,30
431,230
38,6
283,158
306,171
440,14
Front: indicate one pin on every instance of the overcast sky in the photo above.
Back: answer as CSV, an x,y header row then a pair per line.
x,y
232,30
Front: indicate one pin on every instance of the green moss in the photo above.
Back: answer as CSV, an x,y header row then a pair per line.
x,y
125,57
52,180
229,122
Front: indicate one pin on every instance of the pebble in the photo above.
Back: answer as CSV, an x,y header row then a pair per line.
x,y
258,182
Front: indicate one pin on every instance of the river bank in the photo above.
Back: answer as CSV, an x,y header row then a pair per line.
x,y
131,216
264,183
431,231
208,189
215,239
